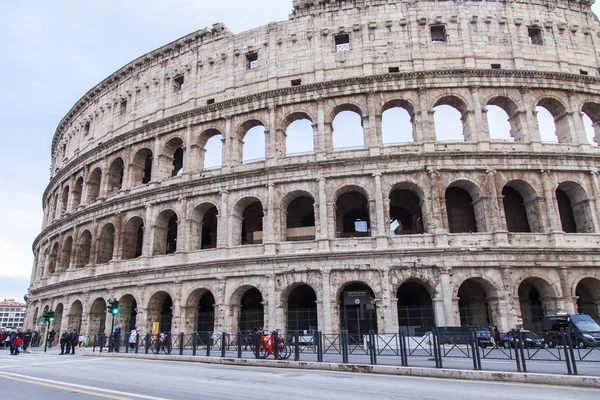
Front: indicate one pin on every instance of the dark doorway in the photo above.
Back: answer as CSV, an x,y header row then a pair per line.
x,y
415,308
302,310
358,317
205,319
252,313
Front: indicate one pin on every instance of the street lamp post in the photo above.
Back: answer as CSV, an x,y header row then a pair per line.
x,y
48,317
113,309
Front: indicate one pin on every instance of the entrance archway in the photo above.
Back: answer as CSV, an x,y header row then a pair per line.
x,y
536,298
588,297
252,314
358,313
75,315
302,309
205,315
474,303
160,309
98,317
415,308
58,319
127,313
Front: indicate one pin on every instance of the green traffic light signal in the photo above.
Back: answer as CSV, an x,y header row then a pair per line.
x,y
115,310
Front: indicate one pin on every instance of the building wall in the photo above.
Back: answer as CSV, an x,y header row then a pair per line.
x,y
142,107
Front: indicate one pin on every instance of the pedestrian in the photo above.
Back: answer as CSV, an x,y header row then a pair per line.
x,y
117,338
64,338
74,339
18,342
133,338
36,339
51,338
493,335
27,337
68,346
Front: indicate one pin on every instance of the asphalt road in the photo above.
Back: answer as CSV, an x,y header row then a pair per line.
x,y
51,376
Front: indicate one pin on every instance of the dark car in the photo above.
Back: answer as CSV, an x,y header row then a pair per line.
x,y
483,338
530,340
585,332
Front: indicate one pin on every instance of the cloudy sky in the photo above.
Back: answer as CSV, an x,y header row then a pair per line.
x,y
53,52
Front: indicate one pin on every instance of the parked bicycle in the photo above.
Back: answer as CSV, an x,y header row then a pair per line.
x,y
266,345
161,343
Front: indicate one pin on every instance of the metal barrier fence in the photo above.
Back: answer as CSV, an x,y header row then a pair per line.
x,y
560,352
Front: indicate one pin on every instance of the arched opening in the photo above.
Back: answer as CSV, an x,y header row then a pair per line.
x,y
352,215
106,244
115,176
498,123
553,121
94,185
536,299
77,190
205,315
406,217
299,136
514,210
172,163
75,315
213,152
590,113
253,149
160,309
574,208
252,314
252,224
64,201
302,310
460,210
474,303
133,238
53,259
98,313
449,118
65,259
415,308
127,314
141,168
84,248
358,313
588,297
347,131
165,233
58,319
204,227
397,123
300,223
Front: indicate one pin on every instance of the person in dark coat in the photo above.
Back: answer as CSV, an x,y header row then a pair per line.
x,y
73,339
117,339
68,350
27,337
64,338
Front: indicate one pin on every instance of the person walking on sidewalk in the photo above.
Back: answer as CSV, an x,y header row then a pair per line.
x,y
27,336
73,340
64,338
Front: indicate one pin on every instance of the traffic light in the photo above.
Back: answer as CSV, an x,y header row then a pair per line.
x,y
50,316
113,306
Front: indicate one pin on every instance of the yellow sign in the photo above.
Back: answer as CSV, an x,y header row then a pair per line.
x,y
155,328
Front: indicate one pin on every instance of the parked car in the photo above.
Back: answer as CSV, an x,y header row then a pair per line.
x,y
530,340
483,338
585,332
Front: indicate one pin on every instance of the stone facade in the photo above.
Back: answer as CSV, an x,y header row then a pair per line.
x,y
478,232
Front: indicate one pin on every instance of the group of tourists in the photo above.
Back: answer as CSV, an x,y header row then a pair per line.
x,y
16,340
68,341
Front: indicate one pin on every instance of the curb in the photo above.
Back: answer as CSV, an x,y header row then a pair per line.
x,y
494,376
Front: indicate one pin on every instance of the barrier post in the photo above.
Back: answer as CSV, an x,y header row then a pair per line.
x,y
208,343
373,347
257,338
194,343
181,343
516,349
239,344
566,350
223,344
137,343
344,338
319,343
472,340
275,344
403,348
297,346
571,351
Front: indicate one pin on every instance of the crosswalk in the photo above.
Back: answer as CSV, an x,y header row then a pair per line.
x,y
36,357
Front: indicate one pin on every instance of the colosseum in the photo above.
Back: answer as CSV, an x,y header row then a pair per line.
x,y
365,164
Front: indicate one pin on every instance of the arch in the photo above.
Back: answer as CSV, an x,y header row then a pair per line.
x,y
201,306
553,121
504,119
84,249
128,310
251,135
165,233
58,325
64,201
588,297
406,216
415,307
397,122
133,238
65,259
106,244
357,317
574,208
53,259
298,216
160,309
449,117
141,167
536,299
250,303
464,207
77,191
352,213
474,304
97,314
347,128
204,226
301,313
115,176
174,152
211,147
75,315
93,185
591,116
299,136
521,207
249,230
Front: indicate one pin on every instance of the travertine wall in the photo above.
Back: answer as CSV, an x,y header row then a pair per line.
x,y
92,214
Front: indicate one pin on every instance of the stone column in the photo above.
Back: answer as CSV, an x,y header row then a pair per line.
x,y
271,139
596,199
323,232
451,312
183,226
269,232
479,131
384,307
226,148
531,132
553,218
118,238
323,142
325,311
373,138
271,306
222,220
380,235
569,299
508,308
578,135
499,231
156,172
148,241
189,161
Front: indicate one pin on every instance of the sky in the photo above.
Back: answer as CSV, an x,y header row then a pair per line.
x,y
53,53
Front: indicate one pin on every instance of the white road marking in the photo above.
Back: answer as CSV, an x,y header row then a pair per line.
x,y
84,387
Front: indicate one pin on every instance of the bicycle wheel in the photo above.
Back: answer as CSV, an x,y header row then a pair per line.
x,y
284,349
155,346
263,351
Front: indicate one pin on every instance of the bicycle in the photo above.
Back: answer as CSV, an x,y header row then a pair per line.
x,y
161,343
266,348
